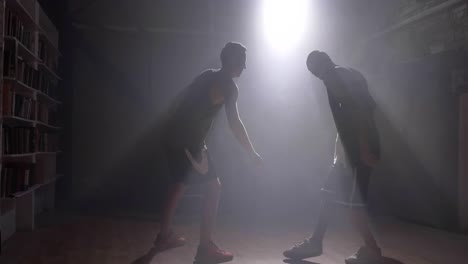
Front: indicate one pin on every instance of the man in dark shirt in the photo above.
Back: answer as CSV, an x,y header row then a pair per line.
x,y
356,153
188,158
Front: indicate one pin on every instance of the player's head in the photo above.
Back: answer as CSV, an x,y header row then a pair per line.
x,y
233,58
319,63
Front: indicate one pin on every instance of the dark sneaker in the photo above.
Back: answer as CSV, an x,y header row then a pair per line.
x,y
211,254
168,241
366,255
306,249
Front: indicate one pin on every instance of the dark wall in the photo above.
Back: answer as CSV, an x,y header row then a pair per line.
x,y
419,122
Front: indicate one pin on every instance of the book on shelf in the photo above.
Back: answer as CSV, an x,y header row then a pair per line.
x,y
23,107
9,69
47,142
19,140
43,113
46,85
24,71
7,99
14,180
15,28
17,105
47,54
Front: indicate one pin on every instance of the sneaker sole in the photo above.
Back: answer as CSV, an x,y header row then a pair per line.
x,y
211,261
304,256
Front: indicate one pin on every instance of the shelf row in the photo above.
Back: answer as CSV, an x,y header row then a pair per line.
x,y
26,54
26,158
33,188
28,45
25,11
21,87
23,122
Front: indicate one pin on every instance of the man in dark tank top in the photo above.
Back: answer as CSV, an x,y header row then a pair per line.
x,y
357,151
188,158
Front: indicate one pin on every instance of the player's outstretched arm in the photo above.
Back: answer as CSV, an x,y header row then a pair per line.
x,y
238,128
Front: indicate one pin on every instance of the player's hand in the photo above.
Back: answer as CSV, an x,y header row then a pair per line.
x,y
202,166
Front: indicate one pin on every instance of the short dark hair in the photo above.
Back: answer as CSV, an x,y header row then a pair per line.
x,y
231,51
317,57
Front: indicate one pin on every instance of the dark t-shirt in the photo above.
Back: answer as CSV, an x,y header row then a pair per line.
x,y
193,112
352,107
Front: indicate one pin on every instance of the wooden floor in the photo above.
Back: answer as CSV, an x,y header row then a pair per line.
x,y
97,239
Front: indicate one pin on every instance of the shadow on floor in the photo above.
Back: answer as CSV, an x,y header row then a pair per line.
x,y
146,259
385,261
391,261
292,261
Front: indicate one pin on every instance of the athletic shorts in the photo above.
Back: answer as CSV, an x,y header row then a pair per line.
x,y
181,169
348,186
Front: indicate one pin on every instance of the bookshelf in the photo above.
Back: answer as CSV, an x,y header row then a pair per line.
x,y
30,101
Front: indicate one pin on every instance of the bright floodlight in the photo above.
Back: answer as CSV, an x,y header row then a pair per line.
x,y
284,21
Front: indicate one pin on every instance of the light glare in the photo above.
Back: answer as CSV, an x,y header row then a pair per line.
x,y
284,21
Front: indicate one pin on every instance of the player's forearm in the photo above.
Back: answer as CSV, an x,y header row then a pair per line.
x,y
240,133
